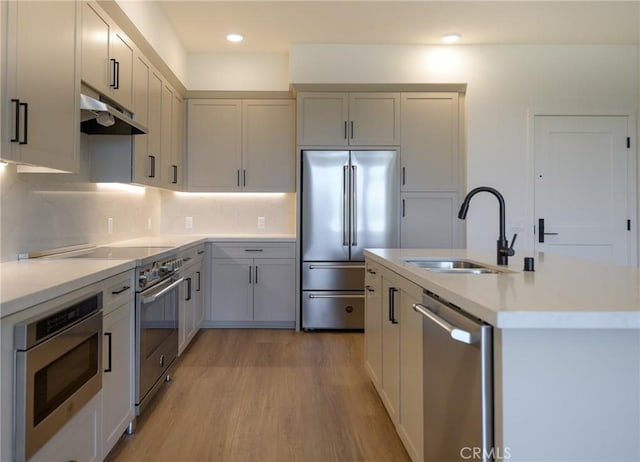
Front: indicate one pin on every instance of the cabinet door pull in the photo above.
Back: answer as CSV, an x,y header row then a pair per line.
x,y
403,208
108,335
392,305
199,281
352,129
152,172
244,177
25,140
345,129
250,270
404,176
113,73
188,290
117,292
256,274
200,252
238,177
16,133
117,75
175,174
253,250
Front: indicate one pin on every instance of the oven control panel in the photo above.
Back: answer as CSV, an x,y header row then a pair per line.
x,y
153,272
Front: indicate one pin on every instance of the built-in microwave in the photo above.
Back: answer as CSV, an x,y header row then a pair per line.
x,y
58,370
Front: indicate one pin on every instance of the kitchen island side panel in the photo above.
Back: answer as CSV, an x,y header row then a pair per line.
x,y
567,394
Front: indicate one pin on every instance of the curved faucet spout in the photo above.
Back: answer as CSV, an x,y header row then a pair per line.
x,y
504,251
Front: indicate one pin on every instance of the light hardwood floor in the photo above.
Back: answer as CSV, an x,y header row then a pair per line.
x,y
266,395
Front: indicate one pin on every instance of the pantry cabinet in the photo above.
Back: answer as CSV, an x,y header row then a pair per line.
x,y
348,119
107,56
40,98
240,145
253,284
432,171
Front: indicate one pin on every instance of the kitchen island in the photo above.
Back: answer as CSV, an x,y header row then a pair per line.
x,y
566,351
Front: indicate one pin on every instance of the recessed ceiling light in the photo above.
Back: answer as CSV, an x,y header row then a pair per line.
x,y
235,38
450,38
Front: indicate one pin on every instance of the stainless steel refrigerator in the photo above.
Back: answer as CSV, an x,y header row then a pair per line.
x,y
350,201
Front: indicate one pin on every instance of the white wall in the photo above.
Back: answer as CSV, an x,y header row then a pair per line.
x,y
238,71
505,85
153,24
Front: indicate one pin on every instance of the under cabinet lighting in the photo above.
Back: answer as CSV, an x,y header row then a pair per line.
x,y
120,187
231,195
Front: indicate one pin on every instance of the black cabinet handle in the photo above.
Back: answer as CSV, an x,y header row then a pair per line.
x,y
345,129
256,274
152,173
113,73
188,290
108,335
253,250
199,281
16,133
244,177
392,305
403,208
250,271
404,175
541,233
117,86
117,292
238,177
25,140
352,129
175,174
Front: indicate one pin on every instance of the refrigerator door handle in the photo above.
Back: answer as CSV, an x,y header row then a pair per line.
x,y
354,205
345,205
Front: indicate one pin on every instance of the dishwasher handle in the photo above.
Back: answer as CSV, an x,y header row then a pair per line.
x,y
456,333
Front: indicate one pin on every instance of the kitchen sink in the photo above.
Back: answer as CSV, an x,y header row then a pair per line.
x,y
451,266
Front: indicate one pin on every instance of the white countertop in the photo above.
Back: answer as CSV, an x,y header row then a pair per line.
x,y
29,282
562,292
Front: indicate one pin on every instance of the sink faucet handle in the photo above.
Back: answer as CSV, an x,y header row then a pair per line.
x,y
510,251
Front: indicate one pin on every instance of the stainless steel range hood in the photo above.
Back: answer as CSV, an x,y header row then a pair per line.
x,y
99,118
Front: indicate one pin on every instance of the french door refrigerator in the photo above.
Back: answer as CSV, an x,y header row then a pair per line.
x,y
350,201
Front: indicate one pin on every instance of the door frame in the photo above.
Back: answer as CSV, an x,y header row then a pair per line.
x,y
632,172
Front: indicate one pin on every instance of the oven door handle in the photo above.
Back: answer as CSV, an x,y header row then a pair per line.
x,y
151,296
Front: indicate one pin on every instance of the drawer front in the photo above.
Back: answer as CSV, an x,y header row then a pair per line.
x,y
118,291
255,250
332,276
332,310
192,254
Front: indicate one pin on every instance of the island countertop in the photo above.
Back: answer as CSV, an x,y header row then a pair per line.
x,y
562,292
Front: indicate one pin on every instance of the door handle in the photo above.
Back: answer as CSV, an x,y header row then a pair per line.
x,y
541,233
25,140
175,174
345,206
354,205
16,129
108,335
152,172
113,73
392,305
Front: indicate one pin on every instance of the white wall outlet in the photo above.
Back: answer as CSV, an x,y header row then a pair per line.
x,y
188,222
109,225
260,222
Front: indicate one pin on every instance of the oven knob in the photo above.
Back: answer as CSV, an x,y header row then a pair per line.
x,y
142,280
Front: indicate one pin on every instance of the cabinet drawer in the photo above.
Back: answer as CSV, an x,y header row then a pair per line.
x,y
192,254
332,276
118,290
255,250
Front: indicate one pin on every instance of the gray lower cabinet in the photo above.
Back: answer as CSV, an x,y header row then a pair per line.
x,y
253,284
393,351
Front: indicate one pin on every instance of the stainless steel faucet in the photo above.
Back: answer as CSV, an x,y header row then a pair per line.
x,y
504,251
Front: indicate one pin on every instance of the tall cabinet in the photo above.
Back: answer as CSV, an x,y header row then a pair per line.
x,y
40,52
432,171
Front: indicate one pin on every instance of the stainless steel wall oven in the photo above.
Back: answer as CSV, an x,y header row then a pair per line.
x,y
58,370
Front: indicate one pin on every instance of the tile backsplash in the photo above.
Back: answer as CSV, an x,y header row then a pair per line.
x,y
41,211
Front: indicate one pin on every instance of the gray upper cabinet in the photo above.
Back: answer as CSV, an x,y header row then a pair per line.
x,y
348,119
40,96
107,56
430,142
240,145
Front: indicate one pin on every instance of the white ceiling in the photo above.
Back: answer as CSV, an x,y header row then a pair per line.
x,y
270,26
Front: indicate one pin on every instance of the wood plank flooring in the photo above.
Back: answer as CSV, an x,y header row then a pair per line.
x,y
266,395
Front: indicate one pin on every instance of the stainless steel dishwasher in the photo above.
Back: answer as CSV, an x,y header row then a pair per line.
x,y
458,383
